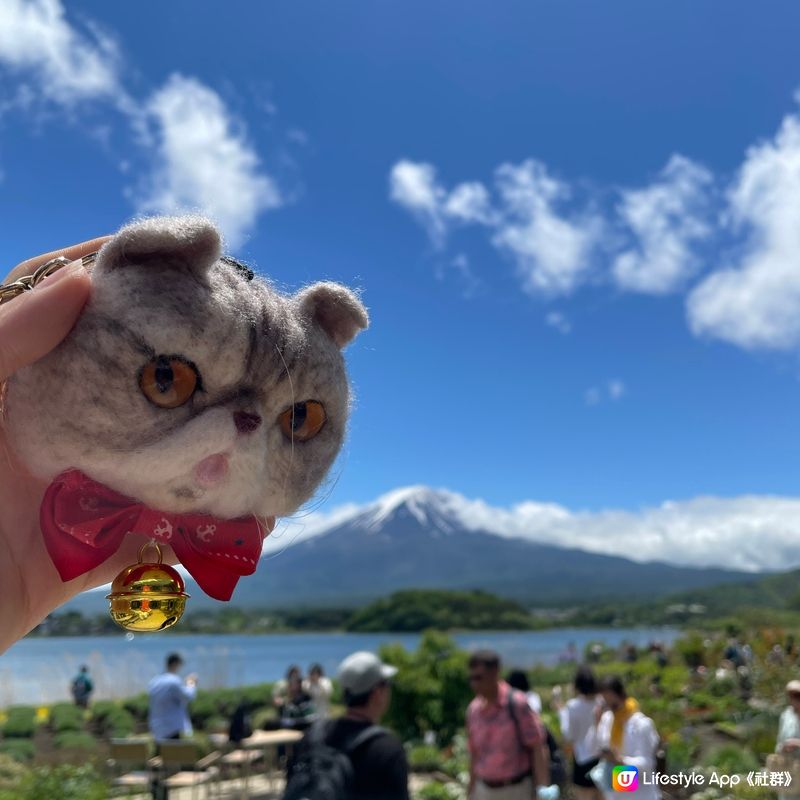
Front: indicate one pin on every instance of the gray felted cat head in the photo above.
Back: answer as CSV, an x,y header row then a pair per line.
x,y
187,383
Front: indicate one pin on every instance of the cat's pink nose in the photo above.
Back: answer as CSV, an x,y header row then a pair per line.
x,y
246,423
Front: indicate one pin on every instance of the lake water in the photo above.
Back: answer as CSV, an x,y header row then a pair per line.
x,y
37,671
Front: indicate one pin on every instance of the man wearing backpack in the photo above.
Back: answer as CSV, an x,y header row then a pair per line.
x,y
352,758
509,759
82,687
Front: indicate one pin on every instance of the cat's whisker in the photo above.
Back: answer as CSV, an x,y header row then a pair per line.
x,y
316,502
291,388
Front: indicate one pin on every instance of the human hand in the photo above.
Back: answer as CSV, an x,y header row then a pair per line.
x,y
790,745
607,754
31,325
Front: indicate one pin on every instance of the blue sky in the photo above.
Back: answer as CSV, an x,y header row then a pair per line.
x,y
577,225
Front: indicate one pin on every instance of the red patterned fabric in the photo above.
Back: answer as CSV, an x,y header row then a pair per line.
x,y
84,523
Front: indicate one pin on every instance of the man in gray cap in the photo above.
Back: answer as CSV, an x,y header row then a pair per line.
x,y
380,769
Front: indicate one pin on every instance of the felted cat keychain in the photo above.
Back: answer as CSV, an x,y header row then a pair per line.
x,y
190,401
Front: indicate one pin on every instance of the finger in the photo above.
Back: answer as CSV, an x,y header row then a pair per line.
x,y
33,323
73,253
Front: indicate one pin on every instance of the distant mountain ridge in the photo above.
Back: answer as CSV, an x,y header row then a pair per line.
x,y
423,538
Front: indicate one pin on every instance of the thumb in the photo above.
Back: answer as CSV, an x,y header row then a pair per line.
x,y
33,323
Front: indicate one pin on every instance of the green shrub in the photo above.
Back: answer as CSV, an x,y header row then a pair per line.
x,y
692,649
722,687
732,759
424,758
441,791
214,703
138,705
66,717
102,708
65,782
118,723
262,716
430,691
18,749
74,740
682,753
219,725
21,721
257,696
11,772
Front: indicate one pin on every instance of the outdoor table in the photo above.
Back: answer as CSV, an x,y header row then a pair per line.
x,y
270,741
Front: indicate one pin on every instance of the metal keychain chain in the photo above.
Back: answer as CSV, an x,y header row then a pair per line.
x,y
27,282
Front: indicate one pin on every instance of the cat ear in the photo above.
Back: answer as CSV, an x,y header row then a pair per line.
x,y
192,242
335,308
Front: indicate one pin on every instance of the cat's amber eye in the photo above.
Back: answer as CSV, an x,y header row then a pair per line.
x,y
303,421
168,381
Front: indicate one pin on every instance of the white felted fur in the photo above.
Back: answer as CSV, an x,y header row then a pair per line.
x,y
159,288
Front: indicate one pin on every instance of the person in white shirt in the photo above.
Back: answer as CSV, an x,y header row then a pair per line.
x,y
170,696
627,737
579,728
320,689
789,727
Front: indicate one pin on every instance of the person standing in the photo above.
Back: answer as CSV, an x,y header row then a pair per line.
x,y
170,696
626,736
788,740
281,688
377,757
517,679
82,687
320,688
507,743
579,728
297,710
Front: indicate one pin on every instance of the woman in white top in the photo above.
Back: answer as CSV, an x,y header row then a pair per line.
x,y
627,737
320,688
578,727
789,727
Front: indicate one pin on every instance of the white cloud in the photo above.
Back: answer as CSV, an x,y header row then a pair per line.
x,y
203,160
69,65
469,202
592,396
612,391
200,155
756,304
666,219
414,186
552,251
749,533
557,320
616,389
460,265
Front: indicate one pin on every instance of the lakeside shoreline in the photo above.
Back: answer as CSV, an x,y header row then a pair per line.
x,y
38,670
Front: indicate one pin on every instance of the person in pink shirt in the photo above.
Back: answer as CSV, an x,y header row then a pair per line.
x,y
509,759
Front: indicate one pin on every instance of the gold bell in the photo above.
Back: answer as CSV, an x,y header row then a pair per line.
x,y
147,596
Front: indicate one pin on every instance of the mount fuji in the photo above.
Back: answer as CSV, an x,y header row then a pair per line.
x,y
422,538
419,537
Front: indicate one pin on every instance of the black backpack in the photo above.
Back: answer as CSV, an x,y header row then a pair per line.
x,y
323,772
558,766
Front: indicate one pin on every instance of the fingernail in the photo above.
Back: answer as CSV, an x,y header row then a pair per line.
x,y
73,268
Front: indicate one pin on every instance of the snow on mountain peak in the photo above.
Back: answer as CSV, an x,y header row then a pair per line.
x,y
437,509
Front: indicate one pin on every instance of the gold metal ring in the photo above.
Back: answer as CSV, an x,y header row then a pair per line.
x,y
27,282
143,549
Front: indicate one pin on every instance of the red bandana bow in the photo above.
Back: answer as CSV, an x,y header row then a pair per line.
x,y
84,523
